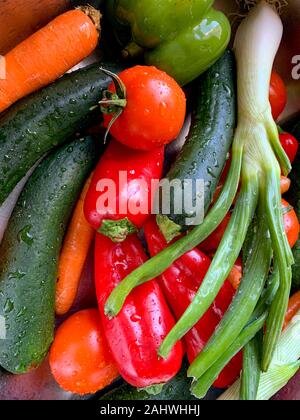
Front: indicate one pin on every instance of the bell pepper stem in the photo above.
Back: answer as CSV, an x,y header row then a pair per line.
x,y
162,261
132,50
168,228
252,284
153,389
117,230
221,265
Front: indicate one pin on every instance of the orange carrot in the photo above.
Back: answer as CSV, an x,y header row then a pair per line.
x,y
293,308
73,256
285,184
49,53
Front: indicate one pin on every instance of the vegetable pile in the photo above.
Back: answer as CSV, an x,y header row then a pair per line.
x,y
85,170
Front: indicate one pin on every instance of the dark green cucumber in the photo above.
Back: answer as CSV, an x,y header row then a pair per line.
x,y
30,250
45,120
206,149
177,389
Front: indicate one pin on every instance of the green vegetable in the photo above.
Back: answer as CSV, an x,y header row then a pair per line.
x,y
177,389
29,254
200,387
46,120
205,151
257,161
251,368
184,38
284,365
251,287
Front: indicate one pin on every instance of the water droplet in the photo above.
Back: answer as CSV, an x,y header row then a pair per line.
x,y
16,275
25,235
9,306
135,318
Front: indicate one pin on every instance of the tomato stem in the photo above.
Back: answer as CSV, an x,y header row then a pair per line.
x,y
113,103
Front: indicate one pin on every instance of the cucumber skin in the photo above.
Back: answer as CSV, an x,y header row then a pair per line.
x,y
28,267
213,122
47,119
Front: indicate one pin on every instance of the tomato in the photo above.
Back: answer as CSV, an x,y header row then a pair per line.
x,y
155,110
213,241
278,95
285,184
79,357
290,145
236,273
291,223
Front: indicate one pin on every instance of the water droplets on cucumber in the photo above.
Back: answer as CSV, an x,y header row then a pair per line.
x,y
25,235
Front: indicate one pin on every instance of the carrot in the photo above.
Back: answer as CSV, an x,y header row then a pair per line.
x,y
22,19
73,256
293,308
49,53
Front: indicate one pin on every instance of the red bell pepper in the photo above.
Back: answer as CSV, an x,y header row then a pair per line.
x,y
136,333
121,193
180,283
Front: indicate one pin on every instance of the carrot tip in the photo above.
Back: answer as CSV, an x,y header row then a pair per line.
x,y
94,14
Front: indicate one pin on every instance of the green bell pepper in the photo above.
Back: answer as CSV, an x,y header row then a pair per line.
x,y
182,37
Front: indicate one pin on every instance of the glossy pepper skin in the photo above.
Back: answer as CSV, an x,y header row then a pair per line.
x,y
129,205
135,335
180,284
183,38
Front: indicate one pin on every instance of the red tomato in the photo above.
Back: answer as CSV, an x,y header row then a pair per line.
x,y
213,241
278,95
236,273
290,145
79,357
155,110
291,223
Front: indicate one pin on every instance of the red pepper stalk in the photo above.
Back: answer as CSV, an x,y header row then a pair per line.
x,y
135,335
180,283
128,207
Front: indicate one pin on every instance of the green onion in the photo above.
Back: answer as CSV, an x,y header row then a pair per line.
x,y
244,303
200,387
251,373
283,367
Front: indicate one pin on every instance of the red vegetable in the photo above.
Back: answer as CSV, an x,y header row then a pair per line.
x,y
213,241
290,145
130,200
154,112
80,360
134,335
180,283
291,223
278,95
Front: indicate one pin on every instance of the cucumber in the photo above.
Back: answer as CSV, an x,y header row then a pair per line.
x,y
30,250
45,120
177,389
205,152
